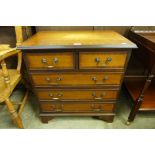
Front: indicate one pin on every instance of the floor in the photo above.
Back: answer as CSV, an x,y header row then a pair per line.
x,y
32,121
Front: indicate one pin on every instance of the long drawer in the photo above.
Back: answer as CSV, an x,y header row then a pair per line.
x,y
76,79
58,107
50,61
76,94
99,60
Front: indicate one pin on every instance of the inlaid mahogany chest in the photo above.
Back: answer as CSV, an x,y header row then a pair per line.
x,y
76,73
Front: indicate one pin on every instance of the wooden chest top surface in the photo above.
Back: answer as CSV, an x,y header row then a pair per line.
x,y
77,39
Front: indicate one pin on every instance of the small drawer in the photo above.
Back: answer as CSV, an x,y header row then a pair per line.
x,y
99,60
77,107
50,61
76,79
80,94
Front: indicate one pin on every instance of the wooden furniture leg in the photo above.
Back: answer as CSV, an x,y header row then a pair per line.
x,y
45,119
108,119
134,109
139,101
15,116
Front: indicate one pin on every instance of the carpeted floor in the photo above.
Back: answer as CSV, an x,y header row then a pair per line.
x,y
32,121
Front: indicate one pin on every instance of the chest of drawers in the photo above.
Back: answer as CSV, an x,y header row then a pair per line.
x,y
77,73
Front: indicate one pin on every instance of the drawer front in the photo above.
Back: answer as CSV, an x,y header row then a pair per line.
x,y
62,95
50,61
76,79
98,60
76,107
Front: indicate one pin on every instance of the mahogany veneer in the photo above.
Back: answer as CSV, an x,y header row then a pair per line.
x,y
77,73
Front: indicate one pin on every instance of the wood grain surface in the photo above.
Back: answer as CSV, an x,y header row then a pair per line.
x,y
75,39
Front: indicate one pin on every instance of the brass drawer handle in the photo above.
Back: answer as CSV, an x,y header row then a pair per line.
x,y
103,94
59,109
60,94
94,78
49,80
58,78
43,60
97,60
96,109
55,60
109,59
50,95
104,79
54,108
56,98
53,98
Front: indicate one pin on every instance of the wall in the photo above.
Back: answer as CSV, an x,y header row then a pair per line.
x,y
7,35
120,29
